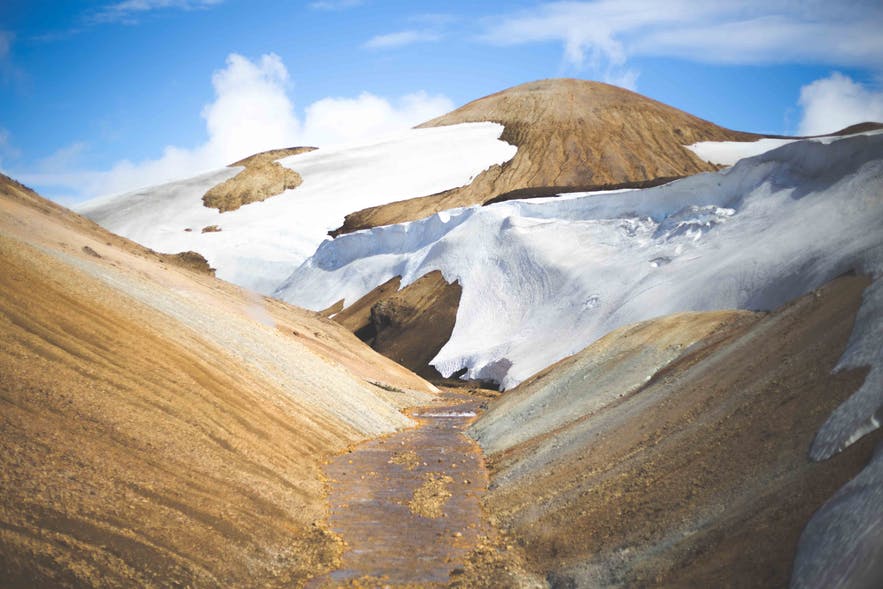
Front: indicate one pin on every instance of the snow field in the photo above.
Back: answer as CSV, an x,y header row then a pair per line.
x,y
541,280
260,243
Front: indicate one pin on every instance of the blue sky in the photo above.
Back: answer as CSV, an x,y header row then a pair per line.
x,y
104,96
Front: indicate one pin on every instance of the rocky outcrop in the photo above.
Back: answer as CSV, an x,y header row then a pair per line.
x,y
409,325
262,178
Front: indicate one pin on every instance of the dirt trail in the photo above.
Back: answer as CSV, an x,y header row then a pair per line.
x,y
408,505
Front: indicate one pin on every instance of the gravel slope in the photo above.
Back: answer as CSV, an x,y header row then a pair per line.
x,y
160,427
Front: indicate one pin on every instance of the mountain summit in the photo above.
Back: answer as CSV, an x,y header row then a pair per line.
x,y
571,135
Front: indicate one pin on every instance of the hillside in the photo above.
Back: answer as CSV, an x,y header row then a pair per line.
x,y
161,427
673,453
571,135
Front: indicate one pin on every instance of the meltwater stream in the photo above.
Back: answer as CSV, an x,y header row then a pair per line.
x,y
408,505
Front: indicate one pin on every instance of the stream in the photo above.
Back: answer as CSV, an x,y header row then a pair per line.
x,y
408,504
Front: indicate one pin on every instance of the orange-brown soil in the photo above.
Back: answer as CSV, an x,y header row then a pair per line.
x,y
858,128
190,260
570,134
408,459
262,178
430,497
698,477
357,316
162,428
409,325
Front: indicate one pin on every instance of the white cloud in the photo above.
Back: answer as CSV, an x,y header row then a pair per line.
x,y
348,120
835,102
251,112
127,11
401,38
603,34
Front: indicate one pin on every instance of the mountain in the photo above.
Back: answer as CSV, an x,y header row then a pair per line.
x,y
161,427
694,371
571,135
257,220
255,239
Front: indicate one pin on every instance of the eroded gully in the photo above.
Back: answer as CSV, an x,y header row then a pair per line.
x,y
408,505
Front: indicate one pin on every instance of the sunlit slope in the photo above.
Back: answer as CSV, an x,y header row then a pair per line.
x,y
161,427
675,452
571,135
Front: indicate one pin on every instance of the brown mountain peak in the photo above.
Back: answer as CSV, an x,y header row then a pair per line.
x,y
571,135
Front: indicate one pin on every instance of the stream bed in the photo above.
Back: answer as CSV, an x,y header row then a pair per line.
x,y
408,505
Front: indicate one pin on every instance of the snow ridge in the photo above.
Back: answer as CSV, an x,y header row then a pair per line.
x,y
259,244
543,279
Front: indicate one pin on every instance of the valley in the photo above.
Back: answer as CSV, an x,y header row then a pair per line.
x,y
562,336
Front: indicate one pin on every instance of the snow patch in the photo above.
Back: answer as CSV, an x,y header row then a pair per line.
x,y
727,153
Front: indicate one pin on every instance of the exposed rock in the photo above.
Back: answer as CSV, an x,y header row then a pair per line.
x,y
190,260
261,179
409,325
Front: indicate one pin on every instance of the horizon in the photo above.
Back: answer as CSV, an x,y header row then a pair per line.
x,y
104,97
